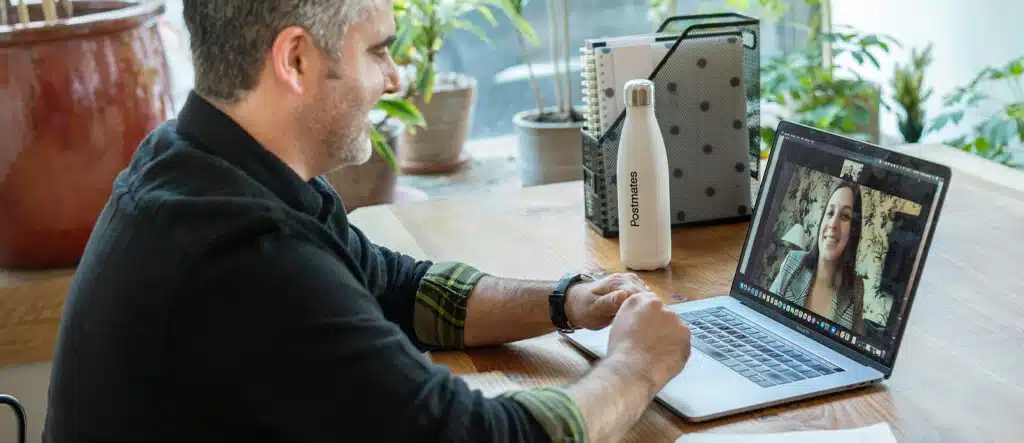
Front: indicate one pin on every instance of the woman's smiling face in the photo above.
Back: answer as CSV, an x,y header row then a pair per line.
x,y
834,233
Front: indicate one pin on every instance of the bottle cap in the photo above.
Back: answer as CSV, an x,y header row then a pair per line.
x,y
639,92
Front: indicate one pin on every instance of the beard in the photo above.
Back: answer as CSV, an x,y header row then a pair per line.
x,y
346,147
339,131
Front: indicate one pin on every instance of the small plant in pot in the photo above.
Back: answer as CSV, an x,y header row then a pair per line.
x,y
376,181
910,93
549,138
446,99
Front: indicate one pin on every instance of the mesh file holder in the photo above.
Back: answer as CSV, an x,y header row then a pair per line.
x,y
707,102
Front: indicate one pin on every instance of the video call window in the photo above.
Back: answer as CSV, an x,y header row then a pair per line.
x,y
837,239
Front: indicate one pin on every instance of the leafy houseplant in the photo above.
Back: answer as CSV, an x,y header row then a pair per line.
x,y
549,138
446,100
393,108
992,137
910,93
831,97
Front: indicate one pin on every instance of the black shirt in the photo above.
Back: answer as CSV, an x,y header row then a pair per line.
x,y
222,298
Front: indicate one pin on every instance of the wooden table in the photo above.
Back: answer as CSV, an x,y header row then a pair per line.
x,y
960,373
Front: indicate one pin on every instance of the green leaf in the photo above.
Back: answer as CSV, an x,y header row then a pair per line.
x,y
402,110
486,12
767,136
859,57
957,116
975,98
380,144
1015,111
514,12
981,145
425,81
860,117
1016,67
824,116
741,5
404,37
938,123
874,61
465,25
869,40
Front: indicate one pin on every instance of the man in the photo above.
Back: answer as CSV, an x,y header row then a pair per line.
x,y
224,296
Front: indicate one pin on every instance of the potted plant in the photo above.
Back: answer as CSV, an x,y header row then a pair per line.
x,y
909,92
60,148
549,137
445,99
992,136
376,181
808,88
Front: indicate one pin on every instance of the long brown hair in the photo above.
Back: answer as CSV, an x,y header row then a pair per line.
x,y
848,261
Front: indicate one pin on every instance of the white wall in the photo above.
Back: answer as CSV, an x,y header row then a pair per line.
x,y
967,36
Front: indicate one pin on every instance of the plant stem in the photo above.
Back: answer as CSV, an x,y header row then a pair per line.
x,y
822,23
1018,93
533,79
568,69
49,10
554,54
22,12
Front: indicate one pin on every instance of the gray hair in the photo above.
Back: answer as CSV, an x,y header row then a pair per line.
x,y
230,38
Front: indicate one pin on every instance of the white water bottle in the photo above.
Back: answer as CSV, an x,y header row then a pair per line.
x,y
645,225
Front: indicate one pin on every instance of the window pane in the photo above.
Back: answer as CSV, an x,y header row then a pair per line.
x,y
501,74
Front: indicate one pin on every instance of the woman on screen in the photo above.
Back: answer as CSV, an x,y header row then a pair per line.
x,y
824,280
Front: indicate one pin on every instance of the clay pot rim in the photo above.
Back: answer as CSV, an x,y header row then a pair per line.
x,y
527,119
117,15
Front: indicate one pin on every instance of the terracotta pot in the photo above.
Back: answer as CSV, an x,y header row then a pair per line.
x,y
438,147
76,98
548,152
371,183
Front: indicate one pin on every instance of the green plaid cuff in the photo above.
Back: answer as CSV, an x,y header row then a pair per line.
x,y
440,313
556,411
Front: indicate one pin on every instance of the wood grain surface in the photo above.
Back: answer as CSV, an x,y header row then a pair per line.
x,y
958,377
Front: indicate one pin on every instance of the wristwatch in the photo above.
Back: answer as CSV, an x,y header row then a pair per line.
x,y
557,301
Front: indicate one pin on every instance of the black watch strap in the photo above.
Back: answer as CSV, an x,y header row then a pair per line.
x,y
557,302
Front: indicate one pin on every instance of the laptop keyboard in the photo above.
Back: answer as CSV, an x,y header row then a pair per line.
x,y
751,351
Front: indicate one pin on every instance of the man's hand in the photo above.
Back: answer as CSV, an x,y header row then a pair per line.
x,y
648,345
645,332
593,304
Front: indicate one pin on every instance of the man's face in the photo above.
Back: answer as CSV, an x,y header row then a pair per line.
x,y
337,115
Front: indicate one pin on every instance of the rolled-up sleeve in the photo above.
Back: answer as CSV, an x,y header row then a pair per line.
x,y
556,412
439,315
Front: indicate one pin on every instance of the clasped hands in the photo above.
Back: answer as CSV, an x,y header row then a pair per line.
x,y
593,304
647,339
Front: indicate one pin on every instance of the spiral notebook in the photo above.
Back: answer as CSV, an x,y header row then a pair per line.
x,y
608,64
702,83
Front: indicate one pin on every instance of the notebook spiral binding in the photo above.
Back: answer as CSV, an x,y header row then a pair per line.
x,y
591,103
691,202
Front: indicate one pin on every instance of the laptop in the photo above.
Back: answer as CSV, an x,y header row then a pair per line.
x,y
857,211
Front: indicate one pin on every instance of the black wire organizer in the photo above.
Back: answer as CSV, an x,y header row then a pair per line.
x,y
709,183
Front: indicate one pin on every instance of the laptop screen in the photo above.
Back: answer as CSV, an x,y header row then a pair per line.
x,y
837,240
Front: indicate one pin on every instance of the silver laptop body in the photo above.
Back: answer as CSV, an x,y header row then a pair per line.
x,y
753,348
